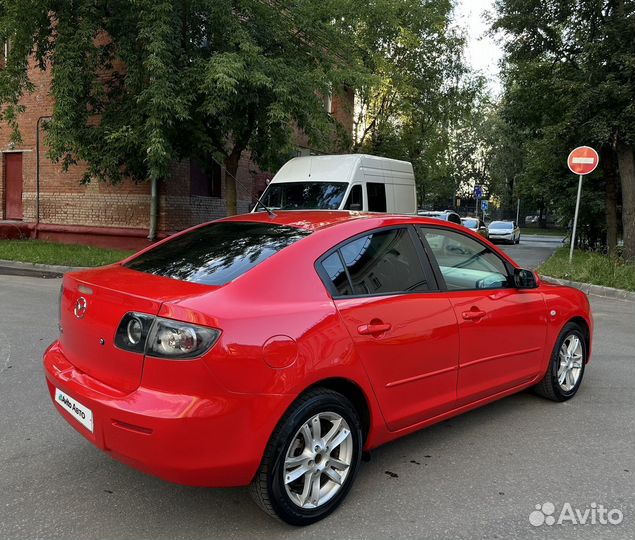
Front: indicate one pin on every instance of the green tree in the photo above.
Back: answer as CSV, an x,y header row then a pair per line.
x,y
421,99
139,84
570,80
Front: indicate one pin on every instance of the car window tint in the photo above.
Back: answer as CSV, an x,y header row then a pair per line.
x,y
466,263
216,253
354,201
334,269
384,262
376,196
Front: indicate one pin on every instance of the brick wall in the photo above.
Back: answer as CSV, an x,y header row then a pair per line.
x,y
65,202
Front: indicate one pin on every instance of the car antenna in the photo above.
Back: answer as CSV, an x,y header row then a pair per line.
x,y
260,203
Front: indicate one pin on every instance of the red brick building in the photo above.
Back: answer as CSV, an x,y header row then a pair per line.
x,y
38,199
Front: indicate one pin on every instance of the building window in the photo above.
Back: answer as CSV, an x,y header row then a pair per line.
x,y
205,178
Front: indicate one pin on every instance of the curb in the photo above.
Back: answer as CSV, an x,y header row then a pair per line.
x,y
596,290
17,268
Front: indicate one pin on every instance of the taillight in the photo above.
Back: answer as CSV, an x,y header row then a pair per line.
x,y
133,332
164,338
172,339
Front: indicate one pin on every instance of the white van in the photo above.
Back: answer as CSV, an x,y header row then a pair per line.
x,y
343,182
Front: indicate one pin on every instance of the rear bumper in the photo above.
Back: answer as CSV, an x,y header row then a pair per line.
x,y
214,440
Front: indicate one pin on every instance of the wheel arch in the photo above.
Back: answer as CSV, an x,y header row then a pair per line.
x,y
354,393
586,331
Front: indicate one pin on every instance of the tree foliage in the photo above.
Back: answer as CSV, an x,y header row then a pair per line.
x,y
139,84
570,80
422,100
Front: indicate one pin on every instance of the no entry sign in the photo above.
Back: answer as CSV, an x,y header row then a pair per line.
x,y
583,160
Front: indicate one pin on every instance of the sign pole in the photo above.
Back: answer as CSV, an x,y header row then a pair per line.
x,y
582,160
518,213
575,219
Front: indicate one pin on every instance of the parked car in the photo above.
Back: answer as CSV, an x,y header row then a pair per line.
x,y
356,182
272,351
445,215
476,225
506,231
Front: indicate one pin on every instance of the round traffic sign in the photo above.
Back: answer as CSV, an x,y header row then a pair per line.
x,y
583,160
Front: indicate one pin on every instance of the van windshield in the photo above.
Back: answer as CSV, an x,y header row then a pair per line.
x,y
304,195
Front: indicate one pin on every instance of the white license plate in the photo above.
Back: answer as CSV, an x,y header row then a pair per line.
x,y
79,412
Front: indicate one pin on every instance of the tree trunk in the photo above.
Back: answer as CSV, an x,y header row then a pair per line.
x,y
626,163
609,167
231,169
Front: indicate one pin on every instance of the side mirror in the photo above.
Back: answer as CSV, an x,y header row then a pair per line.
x,y
524,279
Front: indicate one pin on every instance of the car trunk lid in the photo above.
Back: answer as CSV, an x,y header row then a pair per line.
x,y
92,305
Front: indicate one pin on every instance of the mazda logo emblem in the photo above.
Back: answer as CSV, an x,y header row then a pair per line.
x,y
80,307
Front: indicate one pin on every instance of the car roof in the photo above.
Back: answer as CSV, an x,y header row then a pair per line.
x,y
314,220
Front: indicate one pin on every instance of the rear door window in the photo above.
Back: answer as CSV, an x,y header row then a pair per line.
x,y
382,262
217,253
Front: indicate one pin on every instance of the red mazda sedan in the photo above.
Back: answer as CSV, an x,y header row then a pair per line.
x,y
274,350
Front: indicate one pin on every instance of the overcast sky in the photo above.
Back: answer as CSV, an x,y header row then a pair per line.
x,y
483,53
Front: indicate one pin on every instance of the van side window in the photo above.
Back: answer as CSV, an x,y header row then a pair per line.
x,y
376,196
354,201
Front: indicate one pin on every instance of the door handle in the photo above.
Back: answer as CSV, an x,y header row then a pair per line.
x,y
473,315
373,328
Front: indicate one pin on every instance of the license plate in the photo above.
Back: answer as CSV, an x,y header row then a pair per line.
x,y
79,412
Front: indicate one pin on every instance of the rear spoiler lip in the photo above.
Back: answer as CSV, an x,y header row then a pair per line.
x,y
186,289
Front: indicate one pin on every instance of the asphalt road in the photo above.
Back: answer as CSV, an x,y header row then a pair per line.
x,y
478,475
533,250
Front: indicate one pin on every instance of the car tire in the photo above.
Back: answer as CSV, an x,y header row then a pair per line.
x,y
290,501
568,359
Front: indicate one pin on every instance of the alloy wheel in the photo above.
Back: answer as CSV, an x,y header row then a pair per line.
x,y
571,356
318,460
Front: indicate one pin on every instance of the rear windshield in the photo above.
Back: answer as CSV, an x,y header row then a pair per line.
x,y
500,225
304,195
217,253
